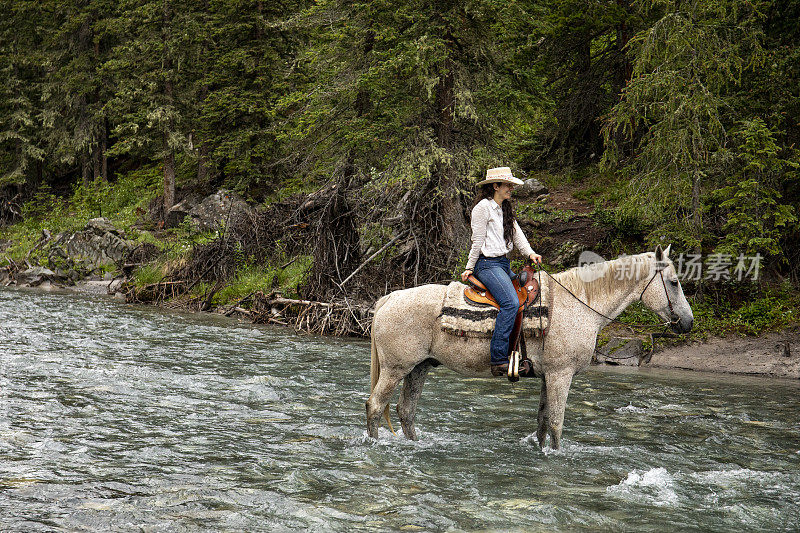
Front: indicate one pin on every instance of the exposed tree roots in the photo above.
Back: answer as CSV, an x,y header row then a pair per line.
x,y
348,273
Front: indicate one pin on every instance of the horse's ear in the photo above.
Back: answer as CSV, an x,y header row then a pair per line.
x,y
659,253
666,252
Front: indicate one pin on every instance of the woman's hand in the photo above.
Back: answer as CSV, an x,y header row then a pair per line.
x,y
535,258
464,275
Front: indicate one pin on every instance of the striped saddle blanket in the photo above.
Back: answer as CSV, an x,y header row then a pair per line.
x,y
466,319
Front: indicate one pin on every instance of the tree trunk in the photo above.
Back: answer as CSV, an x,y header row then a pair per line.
x,y
169,153
169,175
103,148
202,162
697,215
452,216
84,169
96,161
624,66
204,149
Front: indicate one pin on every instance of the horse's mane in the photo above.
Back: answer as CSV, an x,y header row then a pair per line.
x,y
605,276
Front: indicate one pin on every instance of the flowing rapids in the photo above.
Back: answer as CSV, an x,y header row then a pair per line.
x,y
115,417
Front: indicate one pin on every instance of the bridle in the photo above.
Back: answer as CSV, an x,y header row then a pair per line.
x,y
673,316
674,319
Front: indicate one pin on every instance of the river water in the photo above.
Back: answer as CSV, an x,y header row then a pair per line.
x,y
127,418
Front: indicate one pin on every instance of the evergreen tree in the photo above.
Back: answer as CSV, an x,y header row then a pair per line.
x,y
74,91
247,50
21,60
155,71
684,68
582,51
412,97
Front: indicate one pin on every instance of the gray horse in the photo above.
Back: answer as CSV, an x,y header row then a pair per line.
x,y
407,339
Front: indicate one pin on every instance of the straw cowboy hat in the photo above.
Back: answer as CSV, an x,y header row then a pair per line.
x,y
500,175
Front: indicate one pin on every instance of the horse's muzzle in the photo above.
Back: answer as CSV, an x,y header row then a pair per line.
x,y
681,325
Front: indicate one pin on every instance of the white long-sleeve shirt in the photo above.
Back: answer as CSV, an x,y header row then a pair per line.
x,y
487,233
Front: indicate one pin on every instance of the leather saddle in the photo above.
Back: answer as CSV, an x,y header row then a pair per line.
x,y
525,284
527,291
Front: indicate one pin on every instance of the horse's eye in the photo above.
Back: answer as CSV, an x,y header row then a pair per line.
x,y
674,282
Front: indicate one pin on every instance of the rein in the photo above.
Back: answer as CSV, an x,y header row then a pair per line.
x,y
663,333
632,326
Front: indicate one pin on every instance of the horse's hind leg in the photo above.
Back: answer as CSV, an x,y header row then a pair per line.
x,y
412,389
379,399
541,431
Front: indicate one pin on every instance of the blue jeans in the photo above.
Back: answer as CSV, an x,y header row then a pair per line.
x,y
496,274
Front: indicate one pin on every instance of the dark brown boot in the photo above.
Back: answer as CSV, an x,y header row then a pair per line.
x,y
500,370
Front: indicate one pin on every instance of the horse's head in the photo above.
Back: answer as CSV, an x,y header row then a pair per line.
x,y
664,296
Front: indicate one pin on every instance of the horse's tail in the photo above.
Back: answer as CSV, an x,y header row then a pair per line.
x,y
375,364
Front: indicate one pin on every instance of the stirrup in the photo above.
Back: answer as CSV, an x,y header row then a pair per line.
x,y
513,367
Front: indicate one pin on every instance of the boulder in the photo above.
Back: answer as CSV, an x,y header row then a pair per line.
x,y
35,276
567,254
98,243
215,210
181,210
530,188
621,351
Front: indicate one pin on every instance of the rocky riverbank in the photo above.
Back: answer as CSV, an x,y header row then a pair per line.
x,y
774,354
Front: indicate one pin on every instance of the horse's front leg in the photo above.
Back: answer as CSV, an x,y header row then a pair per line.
x,y
541,431
412,389
557,390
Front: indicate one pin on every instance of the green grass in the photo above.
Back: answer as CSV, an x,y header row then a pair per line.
x,y
592,194
148,274
637,313
265,279
122,202
775,309
538,212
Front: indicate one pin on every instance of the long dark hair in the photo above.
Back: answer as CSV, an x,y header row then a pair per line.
x,y
487,191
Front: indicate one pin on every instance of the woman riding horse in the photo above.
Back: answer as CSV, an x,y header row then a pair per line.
x,y
495,231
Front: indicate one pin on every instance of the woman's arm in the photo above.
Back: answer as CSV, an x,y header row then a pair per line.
x,y
479,222
523,245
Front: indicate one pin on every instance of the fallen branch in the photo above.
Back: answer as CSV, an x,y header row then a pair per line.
x,y
370,258
235,306
289,301
165,283
287,264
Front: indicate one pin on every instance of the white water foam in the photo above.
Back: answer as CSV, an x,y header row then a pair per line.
x,y
630,408
654,486
740,477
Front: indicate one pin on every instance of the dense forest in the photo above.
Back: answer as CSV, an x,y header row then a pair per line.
x,y
361,127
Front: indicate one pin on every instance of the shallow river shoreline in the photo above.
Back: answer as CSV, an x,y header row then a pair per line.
x,y
774,354
771,355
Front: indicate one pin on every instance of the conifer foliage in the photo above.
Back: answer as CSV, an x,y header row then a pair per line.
x,y
384,113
